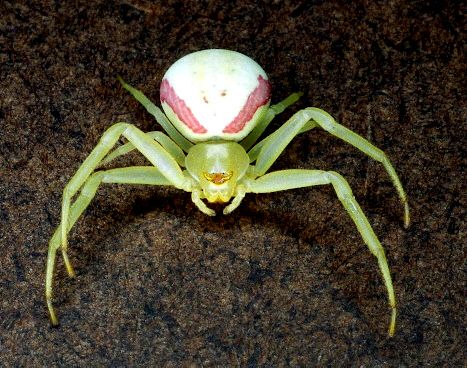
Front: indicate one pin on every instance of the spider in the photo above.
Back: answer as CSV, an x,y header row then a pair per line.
x,y
216,105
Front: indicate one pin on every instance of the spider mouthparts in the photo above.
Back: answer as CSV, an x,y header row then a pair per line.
x,y
218,200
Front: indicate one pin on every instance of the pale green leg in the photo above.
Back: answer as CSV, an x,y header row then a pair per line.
x,y
277,141
273,110
256,150
290,179
107,141
128,175
178,138
169,145
154,152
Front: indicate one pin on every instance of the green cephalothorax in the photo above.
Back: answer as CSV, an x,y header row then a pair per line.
x,y
217,167
217,107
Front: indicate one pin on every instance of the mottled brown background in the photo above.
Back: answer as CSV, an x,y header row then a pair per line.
x,y
283,281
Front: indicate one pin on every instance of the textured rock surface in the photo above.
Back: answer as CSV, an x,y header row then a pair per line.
x,y
283,281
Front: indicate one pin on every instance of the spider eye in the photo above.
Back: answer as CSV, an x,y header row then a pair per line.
x,y
218,178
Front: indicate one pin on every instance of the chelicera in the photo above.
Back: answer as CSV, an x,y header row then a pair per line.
x,y
216,105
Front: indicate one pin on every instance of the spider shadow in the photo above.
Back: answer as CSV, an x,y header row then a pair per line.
x,y
336,253
270,213
107,216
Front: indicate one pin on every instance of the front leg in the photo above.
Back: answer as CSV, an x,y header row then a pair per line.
x,y
168,144
327,122
291,179
153,151
107,141
128,175
268,150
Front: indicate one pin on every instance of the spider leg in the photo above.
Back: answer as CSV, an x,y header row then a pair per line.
x,y
256,150
169,145
272,146
290,179
176,136
128,175
273,110
153,151
268,150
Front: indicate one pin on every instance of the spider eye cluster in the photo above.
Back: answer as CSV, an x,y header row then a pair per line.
x,y
215,94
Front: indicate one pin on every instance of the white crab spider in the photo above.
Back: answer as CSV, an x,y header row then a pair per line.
x,y
217,105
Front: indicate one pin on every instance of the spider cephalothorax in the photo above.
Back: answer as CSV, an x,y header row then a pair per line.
x,y
216,105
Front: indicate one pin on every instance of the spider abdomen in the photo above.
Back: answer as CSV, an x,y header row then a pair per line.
x,y
215,94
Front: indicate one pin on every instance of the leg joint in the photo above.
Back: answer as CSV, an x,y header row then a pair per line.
x,y
340,184
109,135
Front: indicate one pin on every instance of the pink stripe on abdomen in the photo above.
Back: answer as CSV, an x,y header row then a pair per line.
x,y
180,108
259,97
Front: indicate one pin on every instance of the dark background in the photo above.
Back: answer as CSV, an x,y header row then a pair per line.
x,y
285,280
